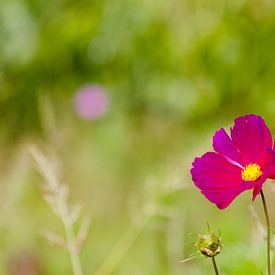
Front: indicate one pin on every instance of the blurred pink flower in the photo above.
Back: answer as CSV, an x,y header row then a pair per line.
x,y
91,102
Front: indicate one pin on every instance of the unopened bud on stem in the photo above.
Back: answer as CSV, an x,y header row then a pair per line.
x,y
209,244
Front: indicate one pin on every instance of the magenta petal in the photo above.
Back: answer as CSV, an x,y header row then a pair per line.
x,y
258,186
256,191
219,181
222,200
269,163
223,144
251,135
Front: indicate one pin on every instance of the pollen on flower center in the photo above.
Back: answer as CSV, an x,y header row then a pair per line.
x,y
251,172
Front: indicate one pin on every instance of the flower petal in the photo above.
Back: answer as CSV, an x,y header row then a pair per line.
x,y
224,145
269,163
219,181
251,136
258,186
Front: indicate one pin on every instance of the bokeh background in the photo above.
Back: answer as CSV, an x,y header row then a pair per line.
x,y
171,72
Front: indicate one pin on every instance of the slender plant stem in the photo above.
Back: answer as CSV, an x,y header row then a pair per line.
x,y
267,233
215,266
77,269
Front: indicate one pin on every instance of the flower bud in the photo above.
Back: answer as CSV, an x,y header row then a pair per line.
x,y
209,244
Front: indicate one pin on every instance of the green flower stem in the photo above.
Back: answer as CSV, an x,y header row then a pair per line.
x,y
215,265
268,239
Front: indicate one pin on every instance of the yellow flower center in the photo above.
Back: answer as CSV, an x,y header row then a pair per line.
x,y
251,172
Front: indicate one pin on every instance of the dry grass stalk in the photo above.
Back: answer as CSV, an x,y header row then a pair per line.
x,y
56,195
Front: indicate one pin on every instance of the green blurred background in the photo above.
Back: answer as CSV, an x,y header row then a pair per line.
x,y
175,71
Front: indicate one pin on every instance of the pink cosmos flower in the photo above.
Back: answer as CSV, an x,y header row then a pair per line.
x,y
241,161
91,102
